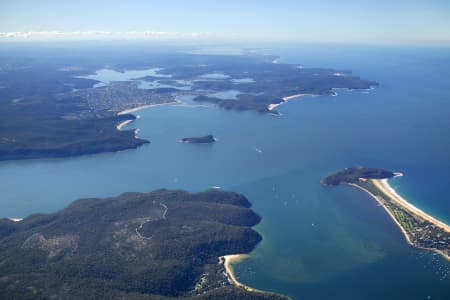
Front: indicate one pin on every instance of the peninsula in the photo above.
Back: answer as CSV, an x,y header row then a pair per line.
x,y
420,229
72,114
207,139
159,245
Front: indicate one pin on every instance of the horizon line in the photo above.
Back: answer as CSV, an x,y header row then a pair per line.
x,y
153,35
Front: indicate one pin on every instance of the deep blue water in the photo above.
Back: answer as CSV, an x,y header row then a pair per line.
x,y
318,243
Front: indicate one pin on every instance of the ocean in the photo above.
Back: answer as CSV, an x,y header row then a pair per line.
x,y
318,242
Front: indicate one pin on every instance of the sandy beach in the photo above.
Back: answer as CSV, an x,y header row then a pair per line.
x,y
15,219
384,186
127,111
121,124
286,99
228,260
272,106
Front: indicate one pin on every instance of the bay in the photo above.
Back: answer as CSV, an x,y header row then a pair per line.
x,y
318,243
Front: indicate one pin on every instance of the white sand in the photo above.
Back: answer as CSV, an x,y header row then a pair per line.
x,y
383,185
15,219
286,99
127,111
121,124
228,260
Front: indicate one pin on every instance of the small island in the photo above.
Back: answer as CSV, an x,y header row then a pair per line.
x,y
207,139
159,245
420,229
72,114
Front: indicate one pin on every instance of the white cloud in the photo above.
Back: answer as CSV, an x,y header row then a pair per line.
x,y
96,34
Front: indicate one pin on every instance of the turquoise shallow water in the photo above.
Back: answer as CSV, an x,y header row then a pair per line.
x,y
319,243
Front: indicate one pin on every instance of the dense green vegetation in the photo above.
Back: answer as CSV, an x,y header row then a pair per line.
x,y
46,111
353,175
272,82
36,122
52,137
137,245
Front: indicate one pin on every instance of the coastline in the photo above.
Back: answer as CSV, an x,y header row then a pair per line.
x,y
387,210
383,186
130,110
286,99
16,219
121,124
135,109
228,261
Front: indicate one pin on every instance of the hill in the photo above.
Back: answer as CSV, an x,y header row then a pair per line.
x,y
137,245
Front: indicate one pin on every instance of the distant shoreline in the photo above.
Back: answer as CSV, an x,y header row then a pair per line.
x,y
130,110
135,109
15,219
121,124
286,99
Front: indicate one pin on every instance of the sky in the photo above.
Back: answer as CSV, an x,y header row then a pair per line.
x,y
280,20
